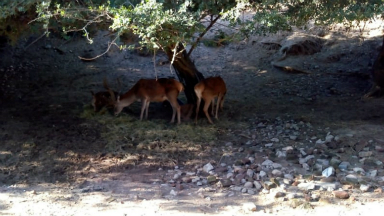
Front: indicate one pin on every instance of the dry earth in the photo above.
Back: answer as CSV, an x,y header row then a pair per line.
x,y
57,157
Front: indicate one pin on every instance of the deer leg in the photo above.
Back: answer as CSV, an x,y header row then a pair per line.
x,y
206,106
197,107
146,109
143,106
213,107
217,105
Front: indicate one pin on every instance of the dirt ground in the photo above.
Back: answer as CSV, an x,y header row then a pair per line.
x,y
58,157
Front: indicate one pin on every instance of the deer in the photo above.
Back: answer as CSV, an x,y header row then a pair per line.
x,y
104,98
208,89
152,90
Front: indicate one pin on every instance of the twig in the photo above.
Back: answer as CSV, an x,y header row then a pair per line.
x,y
35,40
98,56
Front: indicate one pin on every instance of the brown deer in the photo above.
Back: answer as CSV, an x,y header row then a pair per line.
x,y
103,99
209,89
151,90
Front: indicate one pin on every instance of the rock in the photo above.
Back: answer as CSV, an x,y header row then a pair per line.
x,y
173,193
268,185
359,170
208,167
306,186
328,179
344,165
372,173
364,188
277,173
226,182
251,192
250,173
248,185
279,194
323,162
267,163
257,185
328,172
262,174
341,194
334,162
365,154
249,207
291,196
351,179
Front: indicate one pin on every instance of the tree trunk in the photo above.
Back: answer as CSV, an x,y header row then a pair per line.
x,y
186,71
378,69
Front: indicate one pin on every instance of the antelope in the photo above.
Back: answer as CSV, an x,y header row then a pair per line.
x,y
151,90
208,89
103,99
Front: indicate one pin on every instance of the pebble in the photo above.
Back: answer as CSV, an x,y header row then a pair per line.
x,y
341,194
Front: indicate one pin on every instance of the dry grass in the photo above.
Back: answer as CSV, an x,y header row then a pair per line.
x,y
156,141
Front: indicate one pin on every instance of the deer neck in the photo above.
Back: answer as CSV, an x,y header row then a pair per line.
x,y
128,98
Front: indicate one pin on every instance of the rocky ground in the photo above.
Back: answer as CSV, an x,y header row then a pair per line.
x,y
286,143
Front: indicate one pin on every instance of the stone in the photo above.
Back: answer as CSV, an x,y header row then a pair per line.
x,y
344,165
248,185
249,207
341,194
251,192
250,173
277,173
257,185
279,194
267,163
226,182
328,172
359,170
262,174
351,179
364,188
208,167
365,154
334,162
268,185
306,186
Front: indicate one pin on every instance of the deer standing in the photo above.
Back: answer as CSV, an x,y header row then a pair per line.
x,y
151,90
208,89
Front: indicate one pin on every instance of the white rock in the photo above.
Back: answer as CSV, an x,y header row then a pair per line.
x,y
276,165
173,193
257,185
328,172
359,170
268,145
288,148
276,172
372,173
251,192
267,163
208,167
249,207
288,176
250,173
329,138
364,188
306,166
262,174
281,154
275,140
248,185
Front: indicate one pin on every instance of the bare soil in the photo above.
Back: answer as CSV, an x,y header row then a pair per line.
x,y
58,157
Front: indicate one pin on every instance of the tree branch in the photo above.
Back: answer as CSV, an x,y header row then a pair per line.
x,y
213,21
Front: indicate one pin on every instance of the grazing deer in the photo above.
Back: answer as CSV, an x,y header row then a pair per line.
x,y
151,90
103,99
209,89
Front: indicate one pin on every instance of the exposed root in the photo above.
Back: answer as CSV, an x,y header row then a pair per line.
x,y
290,69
